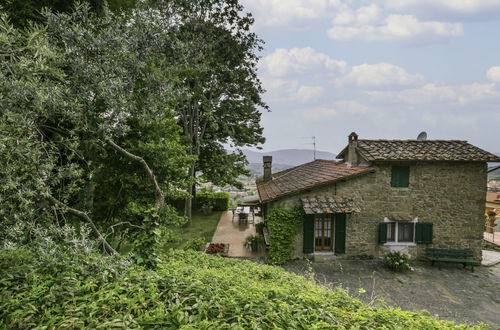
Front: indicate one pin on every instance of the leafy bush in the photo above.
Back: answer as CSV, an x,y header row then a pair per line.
x,y
253,242
196,244
283,227
219,200
397,261
189,290
259,227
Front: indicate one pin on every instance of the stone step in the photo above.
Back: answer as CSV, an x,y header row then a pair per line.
x,y
324,257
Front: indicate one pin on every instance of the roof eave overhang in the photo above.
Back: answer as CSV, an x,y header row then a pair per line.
x,y
344,178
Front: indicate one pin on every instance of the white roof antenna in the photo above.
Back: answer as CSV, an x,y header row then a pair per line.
x,y
422,136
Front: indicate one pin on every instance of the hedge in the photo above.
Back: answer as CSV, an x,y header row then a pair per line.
x,y
218,200
189,290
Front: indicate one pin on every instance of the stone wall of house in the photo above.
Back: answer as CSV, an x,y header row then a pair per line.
x,y
450,195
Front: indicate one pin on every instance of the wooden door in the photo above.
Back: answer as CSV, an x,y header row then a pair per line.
x,y
323,232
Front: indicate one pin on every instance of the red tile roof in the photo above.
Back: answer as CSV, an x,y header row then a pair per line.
x,y
306,176
421,150
493,197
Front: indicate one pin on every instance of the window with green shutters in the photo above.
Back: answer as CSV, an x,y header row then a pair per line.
x,y
400,176
405,232
308,236
423,233
340,232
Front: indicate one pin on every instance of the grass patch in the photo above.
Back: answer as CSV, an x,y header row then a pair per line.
x,y
202,226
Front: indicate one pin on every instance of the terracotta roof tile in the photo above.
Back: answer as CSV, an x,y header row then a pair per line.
x,y
328,204
306,176
421,150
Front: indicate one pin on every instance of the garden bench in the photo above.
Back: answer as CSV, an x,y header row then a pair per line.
x,y
265,232
464,257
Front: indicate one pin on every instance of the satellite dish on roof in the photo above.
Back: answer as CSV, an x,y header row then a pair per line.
x,y
422,136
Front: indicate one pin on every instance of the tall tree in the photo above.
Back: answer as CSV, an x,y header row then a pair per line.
x,y
22,12
214,53
77,97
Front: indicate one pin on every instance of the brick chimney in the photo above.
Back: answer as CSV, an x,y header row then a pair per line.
x,y
352,156
268,163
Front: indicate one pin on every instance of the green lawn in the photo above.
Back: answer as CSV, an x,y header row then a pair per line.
x,y
202,226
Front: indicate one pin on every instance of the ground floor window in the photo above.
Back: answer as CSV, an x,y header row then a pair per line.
x,y
323,232
401,232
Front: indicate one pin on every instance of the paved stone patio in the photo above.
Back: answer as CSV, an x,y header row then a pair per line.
x,y
452,293
230,231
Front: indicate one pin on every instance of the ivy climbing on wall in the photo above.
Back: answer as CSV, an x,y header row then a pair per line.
x,y
283,227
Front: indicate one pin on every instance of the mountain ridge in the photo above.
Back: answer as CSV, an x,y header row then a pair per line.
x,y
287,157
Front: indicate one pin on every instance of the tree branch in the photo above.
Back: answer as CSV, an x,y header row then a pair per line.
x,y
123,223
159,196
107,247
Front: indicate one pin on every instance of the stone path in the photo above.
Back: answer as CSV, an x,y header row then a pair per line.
x,y
452,293
229,231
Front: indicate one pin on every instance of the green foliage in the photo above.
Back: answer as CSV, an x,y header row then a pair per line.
x,y
22,12
65,91
259,227
253,242
190,290
202,228
283,227
196,244
397,261
218,200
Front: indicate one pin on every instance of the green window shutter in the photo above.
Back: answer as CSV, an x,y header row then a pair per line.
x,y
340,232
400,176
423,233
382,232
308,233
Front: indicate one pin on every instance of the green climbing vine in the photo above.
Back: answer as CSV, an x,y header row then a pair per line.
x,y
283,227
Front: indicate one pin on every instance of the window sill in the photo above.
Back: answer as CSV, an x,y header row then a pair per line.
x,y
400,244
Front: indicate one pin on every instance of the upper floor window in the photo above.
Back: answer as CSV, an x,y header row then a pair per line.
x,y
400,176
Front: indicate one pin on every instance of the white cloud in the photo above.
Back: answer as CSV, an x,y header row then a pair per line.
x,y
494,73
397,27
290,90
458,6
378,75
293,14
300,61
433,93
339,108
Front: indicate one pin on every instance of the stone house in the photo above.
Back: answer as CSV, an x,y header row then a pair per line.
x,y
385,195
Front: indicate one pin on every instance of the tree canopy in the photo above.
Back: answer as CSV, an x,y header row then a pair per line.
x,y
107,117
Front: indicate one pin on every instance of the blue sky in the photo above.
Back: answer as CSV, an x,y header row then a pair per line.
x,y
384,69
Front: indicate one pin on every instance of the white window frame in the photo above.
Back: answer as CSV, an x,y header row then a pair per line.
x,y
414,221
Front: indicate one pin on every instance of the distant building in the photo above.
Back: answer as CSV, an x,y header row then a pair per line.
x,y
385,195
493,202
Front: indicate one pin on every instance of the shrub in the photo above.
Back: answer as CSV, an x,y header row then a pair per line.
x,y
253,242
259,227
189,290
397,261
196,244
283,227
218,200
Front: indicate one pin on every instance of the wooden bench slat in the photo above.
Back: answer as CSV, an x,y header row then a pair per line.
x,y
452,255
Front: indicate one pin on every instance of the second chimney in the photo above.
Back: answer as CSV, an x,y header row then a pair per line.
x,y
352,156
268,163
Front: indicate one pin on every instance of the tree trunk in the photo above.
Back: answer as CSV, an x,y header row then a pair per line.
x,y
188,203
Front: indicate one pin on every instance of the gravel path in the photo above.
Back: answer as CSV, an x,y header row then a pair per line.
x,y
452,293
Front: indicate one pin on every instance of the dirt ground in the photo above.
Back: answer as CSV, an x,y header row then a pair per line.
x,y
452,293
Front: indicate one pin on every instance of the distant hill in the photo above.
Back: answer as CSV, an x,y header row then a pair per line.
x,y
288,157
283,159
